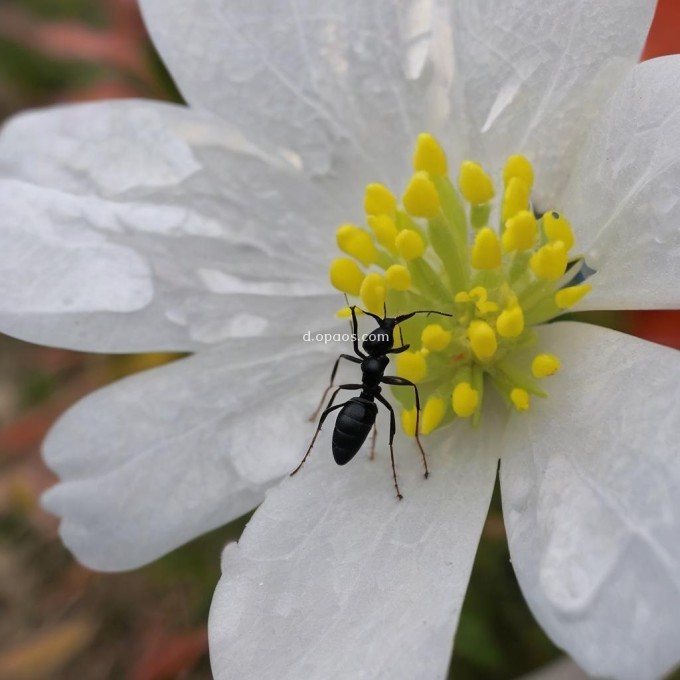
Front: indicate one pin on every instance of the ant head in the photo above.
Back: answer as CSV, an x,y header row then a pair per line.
x,y
381,339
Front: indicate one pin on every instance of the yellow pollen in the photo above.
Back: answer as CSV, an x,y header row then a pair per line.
x,y
408,421
432,415
520,232
475,185
435,338
482,339
346,275
373,293
398,277
510,322
520,398
568,297
429,156
384,229
412,366
518,166
515,198
421,198
357,243
549,262
379,200
545,365
464,400
557,228
410,244
486,252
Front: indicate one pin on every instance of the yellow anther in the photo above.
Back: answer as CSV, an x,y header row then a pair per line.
x,y
373,293
429,156
482,339
346,275
421,198
409,244
515,198
384,229
520,398
398,277
510,322
479,294
412,366
544,365
464,400
408,421
475,185
520,232
357,243
379,200
557,228
435,338
518,166
550,261
486,252
432,415
462,296
568,297
346,312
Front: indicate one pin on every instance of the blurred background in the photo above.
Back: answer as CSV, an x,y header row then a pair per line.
x,y
59,620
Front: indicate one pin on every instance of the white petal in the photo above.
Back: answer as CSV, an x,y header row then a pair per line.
x,y
159,458
330,80
590,479
335,578
624,196
130,226
533,74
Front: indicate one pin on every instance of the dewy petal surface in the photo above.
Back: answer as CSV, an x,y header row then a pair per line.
x,y
331,80
590,481
335,578
624,196
130,226
161,457
531,75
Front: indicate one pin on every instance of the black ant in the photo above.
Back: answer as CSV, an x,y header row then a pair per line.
x,y
358,414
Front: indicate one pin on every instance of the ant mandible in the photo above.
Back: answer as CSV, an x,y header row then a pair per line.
x,y
358,414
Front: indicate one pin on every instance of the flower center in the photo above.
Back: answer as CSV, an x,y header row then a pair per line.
x,y
438,250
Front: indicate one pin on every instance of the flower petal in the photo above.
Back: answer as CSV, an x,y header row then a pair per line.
x,y
624,196
159,458
331,80
590,479
334,578
533,74
129,226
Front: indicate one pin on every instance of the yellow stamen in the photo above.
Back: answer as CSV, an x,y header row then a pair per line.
x,y
429,156
568,297
408,421
520,398
346,275
435,338
432,415
409,244
379,200
549,262
421,198
520,232
373,293
518,166
545,365
510,322
398,277
482,339
412,366
557,228
384,229
475,185
357,243
464,400
486,252
515,198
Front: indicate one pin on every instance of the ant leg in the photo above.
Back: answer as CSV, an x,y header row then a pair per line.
x,y
394,380
324,415
375,436
349,357
398,350
393,429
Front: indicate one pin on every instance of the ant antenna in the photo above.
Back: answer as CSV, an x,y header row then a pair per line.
x,y
401,336
404,317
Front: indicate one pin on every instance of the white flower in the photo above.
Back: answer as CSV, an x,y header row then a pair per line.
x,y
138,226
